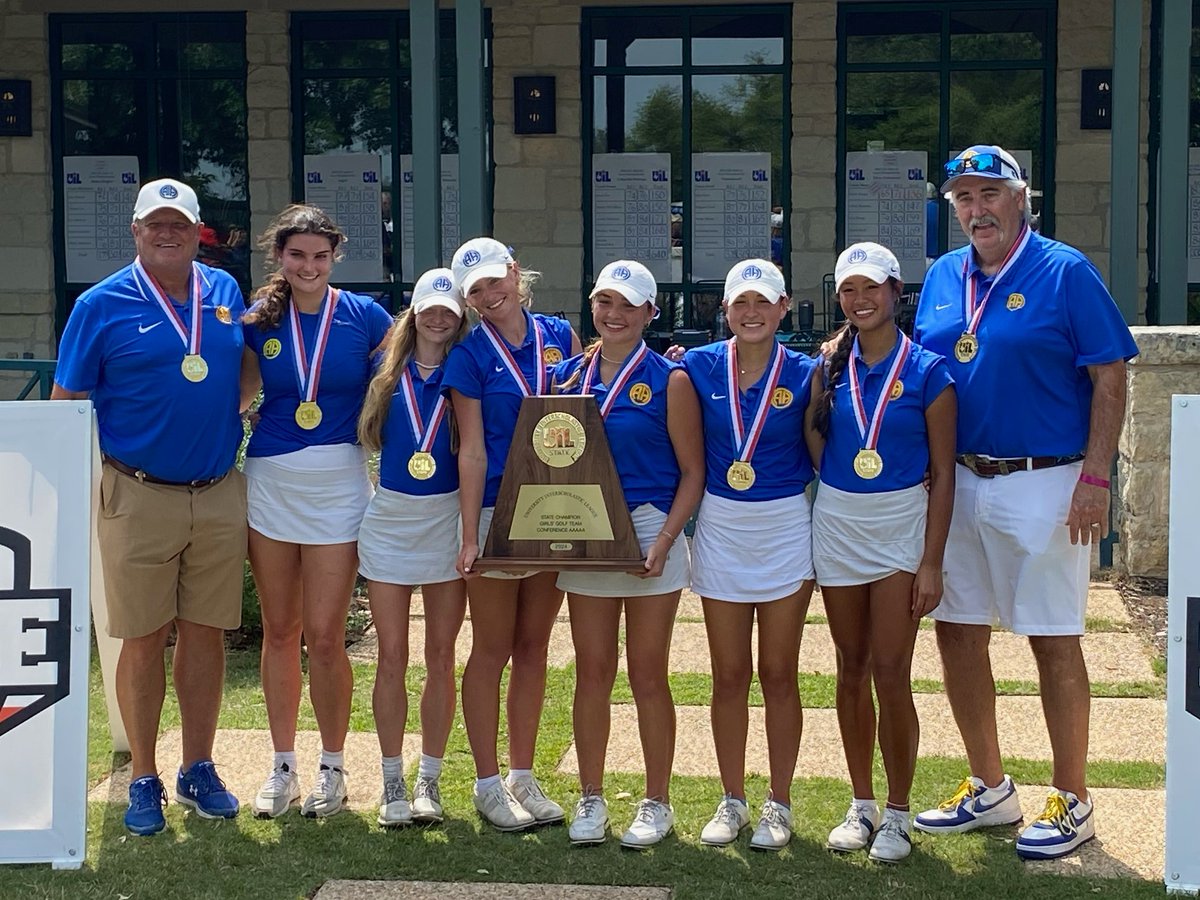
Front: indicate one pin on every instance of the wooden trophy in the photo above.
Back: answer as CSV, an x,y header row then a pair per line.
x,y
560,504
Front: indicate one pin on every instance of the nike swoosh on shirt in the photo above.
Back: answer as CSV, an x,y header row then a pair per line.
x,y
943,306
499,368
142,329
718,396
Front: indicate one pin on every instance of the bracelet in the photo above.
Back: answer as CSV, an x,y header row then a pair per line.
x,y
668,534
1093,480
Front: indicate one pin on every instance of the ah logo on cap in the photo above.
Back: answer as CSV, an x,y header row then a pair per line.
x,y
751,272
31,679
442,283
857,256
470,258
621,273
168,192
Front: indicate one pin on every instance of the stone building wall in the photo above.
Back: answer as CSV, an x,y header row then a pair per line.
x,y
1168,363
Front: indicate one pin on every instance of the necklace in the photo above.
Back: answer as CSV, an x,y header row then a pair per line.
x,y
421,365
615,362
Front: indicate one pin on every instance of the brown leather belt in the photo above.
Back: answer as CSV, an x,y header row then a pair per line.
x,y
141,475
988,467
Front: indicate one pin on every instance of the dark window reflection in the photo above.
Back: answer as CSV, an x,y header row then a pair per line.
x,y
637,40
900,36
997,33
738,40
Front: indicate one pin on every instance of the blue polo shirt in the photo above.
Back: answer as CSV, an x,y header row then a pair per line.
x,y
475,369
399,442
1027,391
359,325
637,430
782,466
119,346
903,438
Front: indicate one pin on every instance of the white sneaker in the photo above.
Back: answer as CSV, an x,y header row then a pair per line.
x,y
394,810
278,793
328,798
426,800
893,841
1064,824
529,794
856,829
774,829
974,805
652,822
731,817
589,824
501,810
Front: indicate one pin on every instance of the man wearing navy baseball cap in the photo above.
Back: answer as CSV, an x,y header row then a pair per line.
x,y
1037,349
157,347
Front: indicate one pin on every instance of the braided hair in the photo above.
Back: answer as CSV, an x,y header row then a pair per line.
x,y
835,365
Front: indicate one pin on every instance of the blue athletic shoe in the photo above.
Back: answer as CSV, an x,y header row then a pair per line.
x,y
1064,824
146,801
974,805
201,788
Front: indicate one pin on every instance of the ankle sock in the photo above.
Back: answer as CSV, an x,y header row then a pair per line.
x,y
429,766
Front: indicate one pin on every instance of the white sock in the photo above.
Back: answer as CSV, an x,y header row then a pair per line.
x,y
515,775
333,760
393,766
288,758
483,785
429,766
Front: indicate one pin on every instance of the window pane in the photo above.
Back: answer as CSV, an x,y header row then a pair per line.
x,y
637,40
104,118
346,43
200,46
738,40
997,33
640,114
740,114
351,114
886,37
108,46
979,114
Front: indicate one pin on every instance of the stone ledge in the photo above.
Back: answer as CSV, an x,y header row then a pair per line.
x,y
1166,345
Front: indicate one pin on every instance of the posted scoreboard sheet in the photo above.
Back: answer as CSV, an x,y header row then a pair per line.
x,y
731,211
451,229
885,203
631,210
348,186
99,193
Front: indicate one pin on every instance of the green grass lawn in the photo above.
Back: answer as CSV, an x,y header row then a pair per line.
x,y
291,857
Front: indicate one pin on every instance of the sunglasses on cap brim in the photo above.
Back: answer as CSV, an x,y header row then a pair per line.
x,y
984,164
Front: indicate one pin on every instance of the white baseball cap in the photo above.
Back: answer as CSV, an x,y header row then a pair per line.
x,y
628,278
481,257
875,261
436,288
984,161
167,193
755,275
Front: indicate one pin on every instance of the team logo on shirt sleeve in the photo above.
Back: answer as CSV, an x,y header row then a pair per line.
x,y
271,348
223,315
1015,302
640,393
897,389
552,356
782,398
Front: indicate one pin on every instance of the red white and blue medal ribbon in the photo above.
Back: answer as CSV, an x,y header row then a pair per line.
x,y
510,362
973,309
191,340
745,441
308,370
628,367
869,432
423,437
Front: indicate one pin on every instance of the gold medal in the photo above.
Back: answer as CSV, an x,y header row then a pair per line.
x,y
966,347
868,464
308,415
740,475
194,368
421,465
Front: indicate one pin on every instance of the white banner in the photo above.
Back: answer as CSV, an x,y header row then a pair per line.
x,y
1183,652
98,197
349,187
46,455
731,211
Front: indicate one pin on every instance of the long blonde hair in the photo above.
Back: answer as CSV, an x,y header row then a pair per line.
x,y
402,343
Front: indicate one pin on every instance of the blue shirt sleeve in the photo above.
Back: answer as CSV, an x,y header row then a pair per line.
x,y
1098,330
81,351
379,320
937,379
462,373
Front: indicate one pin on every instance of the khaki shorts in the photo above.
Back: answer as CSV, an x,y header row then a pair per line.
x,y
171,552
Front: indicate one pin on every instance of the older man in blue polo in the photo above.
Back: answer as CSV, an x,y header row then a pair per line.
x,y
1037,348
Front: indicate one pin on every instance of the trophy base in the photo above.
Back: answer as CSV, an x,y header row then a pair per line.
x,y
549,564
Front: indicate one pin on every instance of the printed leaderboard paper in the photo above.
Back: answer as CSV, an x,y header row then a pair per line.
x,y
731,211
631,210
99,194
885,203
348,186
